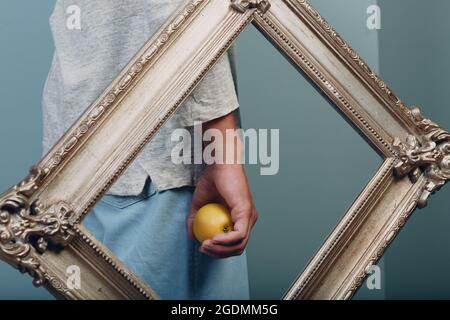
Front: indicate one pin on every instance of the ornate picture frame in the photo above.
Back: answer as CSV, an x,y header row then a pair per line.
x,y
40,230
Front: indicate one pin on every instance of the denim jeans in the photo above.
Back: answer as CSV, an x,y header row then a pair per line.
x,y
148,233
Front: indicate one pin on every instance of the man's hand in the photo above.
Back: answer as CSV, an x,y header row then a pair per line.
x,y
225,184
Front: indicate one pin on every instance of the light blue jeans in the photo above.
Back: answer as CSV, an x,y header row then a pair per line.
x,y
148,233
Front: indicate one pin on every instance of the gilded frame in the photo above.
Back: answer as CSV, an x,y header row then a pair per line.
x,y
40,231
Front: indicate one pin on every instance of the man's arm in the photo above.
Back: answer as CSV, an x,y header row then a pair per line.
x,y
227,184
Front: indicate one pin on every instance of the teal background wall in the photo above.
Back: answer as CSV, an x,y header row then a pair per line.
x,y
25,55
317,180
414,61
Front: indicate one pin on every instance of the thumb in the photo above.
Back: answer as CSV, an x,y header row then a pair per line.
x,y
204,193
195,206
190,221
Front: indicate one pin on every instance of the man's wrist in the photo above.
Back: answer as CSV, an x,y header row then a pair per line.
x,y
225,166
228,145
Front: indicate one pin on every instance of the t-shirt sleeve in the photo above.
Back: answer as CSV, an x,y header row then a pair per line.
x,y
214,97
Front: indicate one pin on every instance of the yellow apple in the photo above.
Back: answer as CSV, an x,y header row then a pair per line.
x,y
212,219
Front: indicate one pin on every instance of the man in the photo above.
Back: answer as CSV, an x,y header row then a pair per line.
x,y
143,217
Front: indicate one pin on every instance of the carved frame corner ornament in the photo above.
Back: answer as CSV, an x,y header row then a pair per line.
x,y
40,230
244,5
428,154
27,227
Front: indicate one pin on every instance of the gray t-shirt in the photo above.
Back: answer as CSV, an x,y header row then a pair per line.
x,y
87,60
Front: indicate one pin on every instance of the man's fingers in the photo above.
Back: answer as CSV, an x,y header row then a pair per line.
x,y
211,254
239,233
213,250
232,243
229,239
